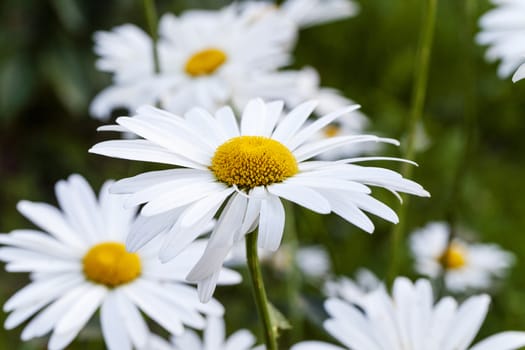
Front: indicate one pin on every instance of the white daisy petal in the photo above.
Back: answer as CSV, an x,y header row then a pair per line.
x,y
214,333
273,113
302,195
253,118
154,309
206,286
271,223
227,121
46,320
23,313
502,341
112,328
135,324
306,133
82,309
184,196
162,138
145,228
242,339
315,345
221,239
42,289
145,195
293,122
151,178
141,150
468,320
50,220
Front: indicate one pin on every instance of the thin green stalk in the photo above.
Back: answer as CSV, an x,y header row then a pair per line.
x,y
469,123
416,113
152,22
259,293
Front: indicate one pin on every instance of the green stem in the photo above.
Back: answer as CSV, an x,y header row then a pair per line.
x,y
416,113
259,293
152,22
469,124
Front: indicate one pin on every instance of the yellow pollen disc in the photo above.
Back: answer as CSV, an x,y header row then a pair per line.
x,y
454,257
110,264
251,161
331,130
205,62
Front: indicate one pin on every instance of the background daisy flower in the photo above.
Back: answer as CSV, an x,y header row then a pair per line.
x,y
213,338
464,265
79,264
249,167
212,58
503,30
410,320
312,261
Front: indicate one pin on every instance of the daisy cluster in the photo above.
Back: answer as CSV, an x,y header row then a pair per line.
x,y
240,140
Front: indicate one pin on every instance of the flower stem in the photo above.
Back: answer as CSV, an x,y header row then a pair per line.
x,y
259,293
416,113
152,22
469,124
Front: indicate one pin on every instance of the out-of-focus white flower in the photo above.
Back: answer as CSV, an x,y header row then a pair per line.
x,y
312,261
205,59
353,292
214,338
251,166
410,320
308,13
212,58
465,265
80,264
503,29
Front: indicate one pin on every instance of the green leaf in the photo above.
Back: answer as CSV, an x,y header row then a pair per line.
x,y
278,318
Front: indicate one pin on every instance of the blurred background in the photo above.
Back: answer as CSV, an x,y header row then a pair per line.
x,y
47,80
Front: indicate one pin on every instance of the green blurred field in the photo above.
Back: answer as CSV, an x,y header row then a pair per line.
x,y
47,80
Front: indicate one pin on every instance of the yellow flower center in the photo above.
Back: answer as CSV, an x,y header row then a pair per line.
x,y
110,264
205,62
454,257
251,161
331,130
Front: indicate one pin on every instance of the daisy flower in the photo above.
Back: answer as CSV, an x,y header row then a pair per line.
x,y
503,30
214,338
212,58
79,264
465,265
410,320
250,168
204,56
